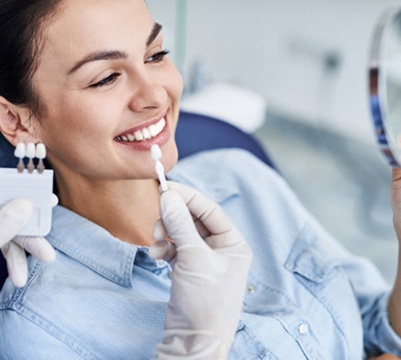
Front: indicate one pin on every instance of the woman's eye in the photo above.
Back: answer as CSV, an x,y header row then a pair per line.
x,y
158,57
106,81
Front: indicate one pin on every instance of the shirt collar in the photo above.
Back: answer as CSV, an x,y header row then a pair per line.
x,y
92,246
114,259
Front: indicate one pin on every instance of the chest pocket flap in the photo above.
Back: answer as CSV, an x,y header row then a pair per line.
x,y
309,259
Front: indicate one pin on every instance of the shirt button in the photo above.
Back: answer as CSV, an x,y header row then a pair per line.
x,y
251,289
303,328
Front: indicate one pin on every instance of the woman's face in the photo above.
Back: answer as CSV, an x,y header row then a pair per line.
x,y
108,91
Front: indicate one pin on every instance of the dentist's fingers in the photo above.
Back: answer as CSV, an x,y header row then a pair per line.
x,y
38,246
163,250
210,214
14,215
178,221
16,263
159,232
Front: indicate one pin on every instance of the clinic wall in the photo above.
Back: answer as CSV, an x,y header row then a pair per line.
x,y
280,48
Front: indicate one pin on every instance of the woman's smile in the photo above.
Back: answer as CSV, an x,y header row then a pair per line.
x,y
143,136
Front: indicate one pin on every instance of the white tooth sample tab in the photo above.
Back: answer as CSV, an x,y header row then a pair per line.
x,y
156,155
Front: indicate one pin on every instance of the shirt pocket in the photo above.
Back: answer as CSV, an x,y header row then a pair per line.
x,y
246,346
310,260
322,273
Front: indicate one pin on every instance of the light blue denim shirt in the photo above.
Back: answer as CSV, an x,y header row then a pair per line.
x,y
307,297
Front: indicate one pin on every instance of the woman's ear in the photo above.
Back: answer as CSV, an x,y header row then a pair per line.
x,y
14,122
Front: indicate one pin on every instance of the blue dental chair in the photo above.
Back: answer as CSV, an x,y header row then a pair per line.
x,y
195,133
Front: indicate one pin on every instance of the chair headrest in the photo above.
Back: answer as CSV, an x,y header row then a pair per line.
x,y
7,158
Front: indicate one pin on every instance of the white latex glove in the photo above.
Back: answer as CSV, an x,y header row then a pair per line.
x,y
210,268
13,217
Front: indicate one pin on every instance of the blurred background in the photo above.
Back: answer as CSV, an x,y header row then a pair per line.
x,y
294,74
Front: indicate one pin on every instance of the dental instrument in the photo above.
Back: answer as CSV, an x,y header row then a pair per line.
x,y
35,186
156,155
40,154
30,154
19,152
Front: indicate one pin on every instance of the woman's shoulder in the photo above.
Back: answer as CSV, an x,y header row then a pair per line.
x,y
233,170
226,166
251,192
225,157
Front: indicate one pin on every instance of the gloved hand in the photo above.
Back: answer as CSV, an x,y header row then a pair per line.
x,y
14,215
210,268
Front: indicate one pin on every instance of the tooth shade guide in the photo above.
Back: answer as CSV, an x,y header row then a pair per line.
x,y
40,151
40,154
155,152
30,153
19,152
20,166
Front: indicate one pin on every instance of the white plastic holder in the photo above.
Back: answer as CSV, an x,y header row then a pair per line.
x,y
38,188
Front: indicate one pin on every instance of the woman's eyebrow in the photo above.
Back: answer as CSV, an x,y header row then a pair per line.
x,y
153,35
98,55
113,55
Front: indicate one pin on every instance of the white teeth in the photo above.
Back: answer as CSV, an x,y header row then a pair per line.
x,y
138,136
160,125
145,133
153,130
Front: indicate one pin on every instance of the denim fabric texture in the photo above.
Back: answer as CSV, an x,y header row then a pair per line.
x,y
307,297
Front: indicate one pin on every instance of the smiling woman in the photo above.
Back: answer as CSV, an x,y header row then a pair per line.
x,y
100,80
91,80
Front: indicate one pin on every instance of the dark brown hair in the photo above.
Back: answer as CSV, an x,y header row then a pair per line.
x,y
20,40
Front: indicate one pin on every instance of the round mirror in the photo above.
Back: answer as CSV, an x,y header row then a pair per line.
x,y
385,84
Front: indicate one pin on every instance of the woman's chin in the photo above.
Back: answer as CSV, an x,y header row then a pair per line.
x,y
170,161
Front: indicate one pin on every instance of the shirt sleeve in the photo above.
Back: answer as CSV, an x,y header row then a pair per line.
x,y
373,294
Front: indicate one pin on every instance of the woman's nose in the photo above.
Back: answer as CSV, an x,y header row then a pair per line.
x,y
147,94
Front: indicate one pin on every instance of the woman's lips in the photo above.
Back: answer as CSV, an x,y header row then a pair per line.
x,y
143,137
144,133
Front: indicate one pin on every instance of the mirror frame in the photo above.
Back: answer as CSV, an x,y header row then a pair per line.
x,y
377,86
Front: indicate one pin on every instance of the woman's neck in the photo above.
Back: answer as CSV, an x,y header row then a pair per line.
x,y
127,209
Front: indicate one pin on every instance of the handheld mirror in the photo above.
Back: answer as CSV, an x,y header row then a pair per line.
x,y
385,84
